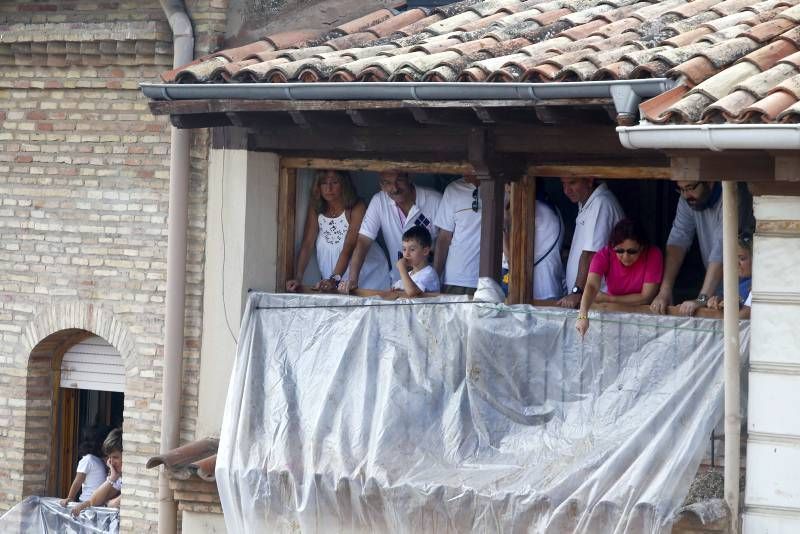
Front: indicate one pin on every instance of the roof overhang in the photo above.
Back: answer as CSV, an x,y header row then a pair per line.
x,y
625,94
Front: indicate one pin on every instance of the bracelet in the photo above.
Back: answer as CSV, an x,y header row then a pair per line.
x,y
582,317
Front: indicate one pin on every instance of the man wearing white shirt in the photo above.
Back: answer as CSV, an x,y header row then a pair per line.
x,y
398,206
598,212
458,247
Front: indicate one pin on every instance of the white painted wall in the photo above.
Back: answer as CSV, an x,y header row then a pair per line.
x,y
202,523
772,494
242,207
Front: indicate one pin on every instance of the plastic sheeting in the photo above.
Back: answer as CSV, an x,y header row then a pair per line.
x,y
440,415
43,515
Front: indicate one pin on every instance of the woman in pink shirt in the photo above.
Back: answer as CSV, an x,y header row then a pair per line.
x,y
631,267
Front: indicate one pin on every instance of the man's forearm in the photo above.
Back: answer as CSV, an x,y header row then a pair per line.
x,y
672,265
441,250
583,268
712,279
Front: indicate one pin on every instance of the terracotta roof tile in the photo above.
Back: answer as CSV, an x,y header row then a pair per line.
x,y
653,109
246,51
767,56
689,37
768,108
693,8
722,83
688,109
584,30
364,23
728,108
184,461
395,23
292,39
418,26
792,14
790,115
729,7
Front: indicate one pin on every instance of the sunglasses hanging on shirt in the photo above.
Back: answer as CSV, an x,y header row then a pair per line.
x,y
475,205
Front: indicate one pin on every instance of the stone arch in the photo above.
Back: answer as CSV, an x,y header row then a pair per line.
x,y
44,340
79,316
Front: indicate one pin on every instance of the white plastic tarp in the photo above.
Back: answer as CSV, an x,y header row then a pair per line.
x,y
441,415
45,515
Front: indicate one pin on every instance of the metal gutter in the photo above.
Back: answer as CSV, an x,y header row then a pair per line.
x,y
716,137
626,93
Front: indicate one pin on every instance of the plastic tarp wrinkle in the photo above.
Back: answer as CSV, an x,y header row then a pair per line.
x,y
44,515
443,415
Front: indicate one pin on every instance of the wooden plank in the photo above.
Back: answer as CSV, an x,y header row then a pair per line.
x,y
736,166
523,215
448,142
287,203
444,167
787,168
222,106
601,171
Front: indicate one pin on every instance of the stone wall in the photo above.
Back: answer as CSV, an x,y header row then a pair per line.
x,y
84,177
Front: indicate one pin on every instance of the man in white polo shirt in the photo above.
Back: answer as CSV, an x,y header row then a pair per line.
x,y
598,212
458,247
398,206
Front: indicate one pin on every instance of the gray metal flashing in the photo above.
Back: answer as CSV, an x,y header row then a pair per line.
x,y
626,94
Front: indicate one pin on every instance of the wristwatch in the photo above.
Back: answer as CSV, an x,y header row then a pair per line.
x,y
576,290
336,278
702,299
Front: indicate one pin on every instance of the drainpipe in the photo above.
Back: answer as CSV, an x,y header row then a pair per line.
x,y
733,416
177,220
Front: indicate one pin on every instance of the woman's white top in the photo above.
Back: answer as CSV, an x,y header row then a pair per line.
x,y
95,471
426,279
330,242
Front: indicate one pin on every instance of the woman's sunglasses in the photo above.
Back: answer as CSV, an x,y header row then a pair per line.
x,y
475,204
629,251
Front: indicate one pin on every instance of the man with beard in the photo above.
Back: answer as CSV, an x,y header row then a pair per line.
x,y
398,206
699,212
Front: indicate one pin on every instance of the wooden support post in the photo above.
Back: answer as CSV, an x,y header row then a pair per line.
x,y
287,201
493,172
491,227
521,241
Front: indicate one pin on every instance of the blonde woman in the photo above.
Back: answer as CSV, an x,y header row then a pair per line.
x,y
334,217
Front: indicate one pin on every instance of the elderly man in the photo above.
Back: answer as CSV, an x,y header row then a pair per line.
x,y
458,246
598,212
398,206
699,212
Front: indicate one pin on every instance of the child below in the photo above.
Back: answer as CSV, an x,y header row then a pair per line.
x,y
745,256
109,492
416,275
91,470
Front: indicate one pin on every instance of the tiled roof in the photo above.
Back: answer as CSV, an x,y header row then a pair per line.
x,y
195,458
734,60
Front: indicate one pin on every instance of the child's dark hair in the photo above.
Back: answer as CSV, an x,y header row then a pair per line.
x,y
92,440
746,242
420,234
113,442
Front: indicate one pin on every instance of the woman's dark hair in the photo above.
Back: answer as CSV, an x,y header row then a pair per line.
x,y
349,195
628,229
92,440
113,442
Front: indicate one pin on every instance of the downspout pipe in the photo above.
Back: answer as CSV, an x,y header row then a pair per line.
x,y
732,362
177,221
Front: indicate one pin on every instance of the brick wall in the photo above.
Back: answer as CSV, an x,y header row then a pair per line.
x,y
84,171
